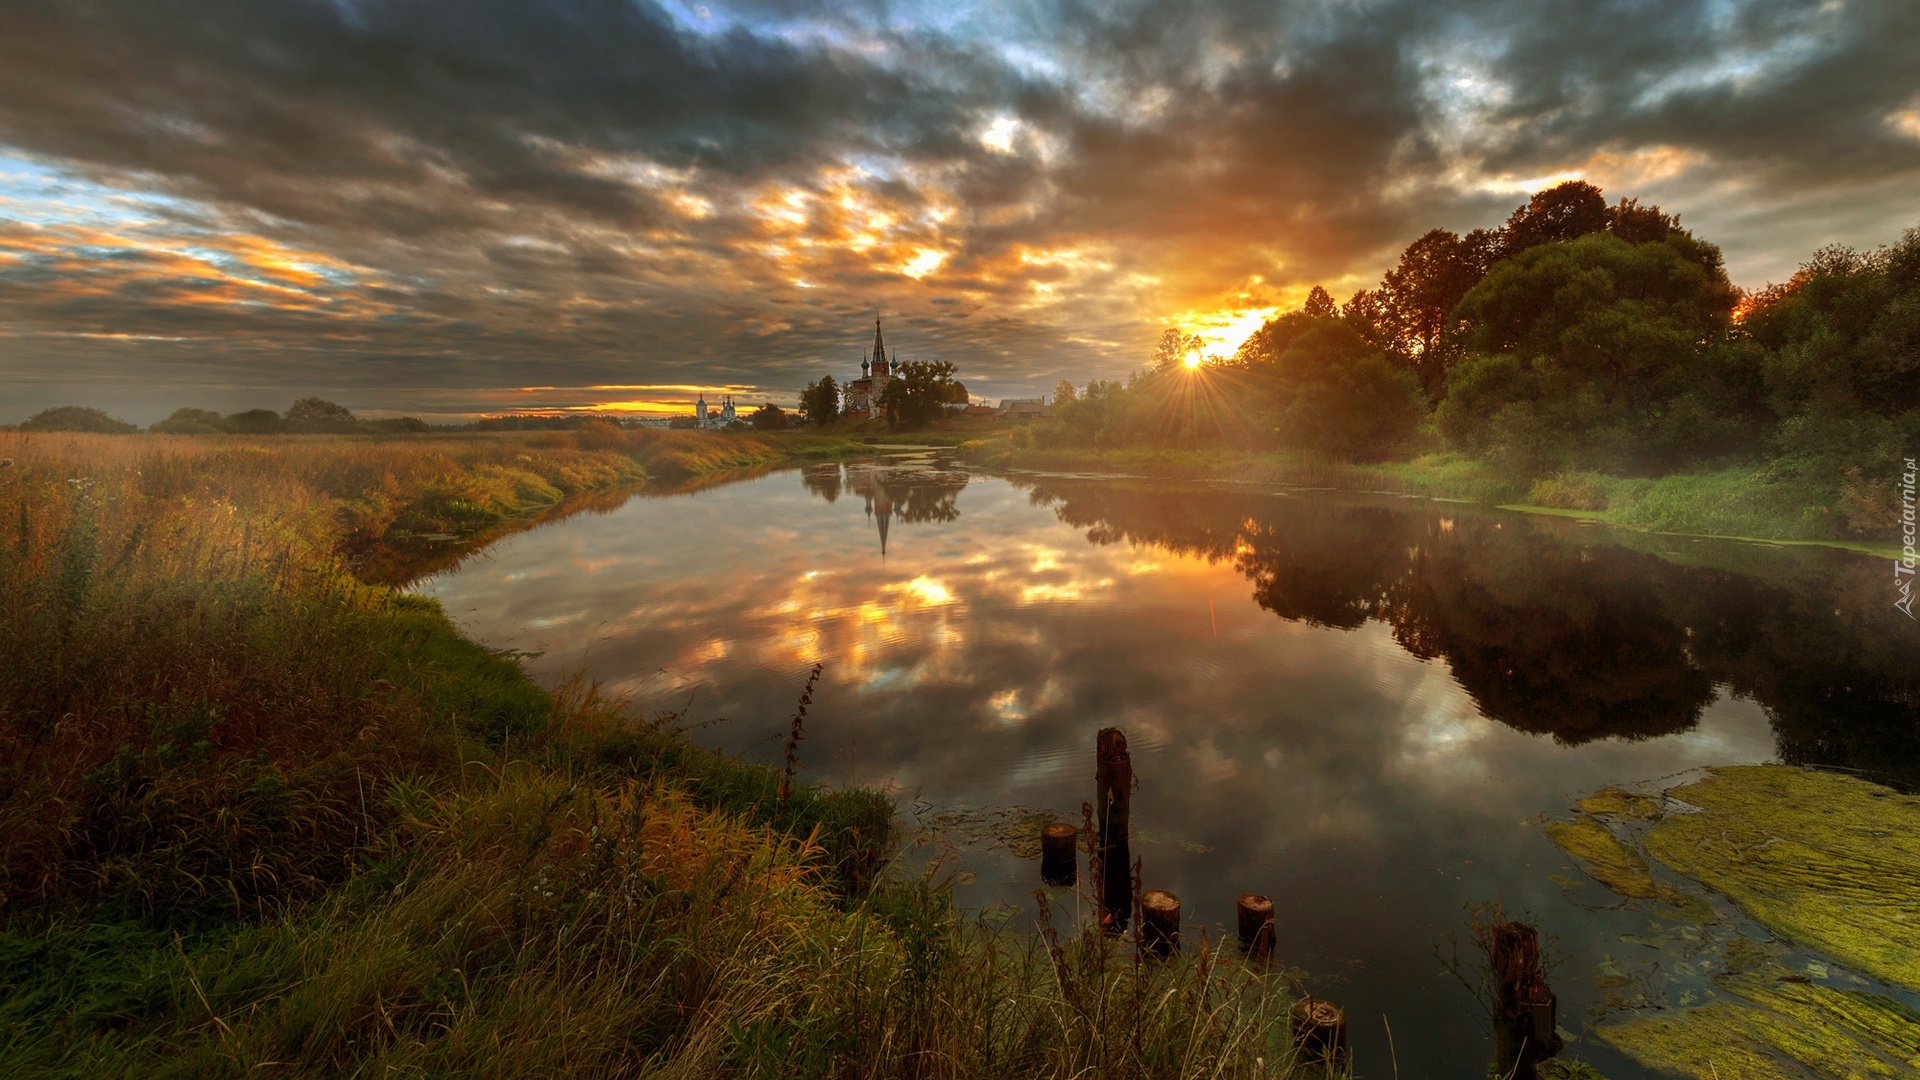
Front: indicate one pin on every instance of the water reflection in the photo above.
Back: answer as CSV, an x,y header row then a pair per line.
x,y
1551,630
1306,680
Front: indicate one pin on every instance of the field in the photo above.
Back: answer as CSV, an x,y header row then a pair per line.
x,y
260,815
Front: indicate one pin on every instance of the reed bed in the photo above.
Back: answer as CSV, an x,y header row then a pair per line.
x,y
259,816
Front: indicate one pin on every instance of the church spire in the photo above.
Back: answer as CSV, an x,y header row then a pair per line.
x,y
882,367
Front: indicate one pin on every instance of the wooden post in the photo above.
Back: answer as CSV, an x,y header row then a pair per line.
x,y
1159,922
1525,1032
1319,1033
1059,859
1256,924
1113,800
1112,784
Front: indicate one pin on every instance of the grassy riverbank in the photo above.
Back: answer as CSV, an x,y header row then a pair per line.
x,y
260,816
1742,503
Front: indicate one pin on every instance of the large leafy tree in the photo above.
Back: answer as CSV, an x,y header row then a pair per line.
x,y
1598,353
917,393
1842,344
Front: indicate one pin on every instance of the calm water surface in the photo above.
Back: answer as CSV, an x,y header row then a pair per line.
x,y
1359,706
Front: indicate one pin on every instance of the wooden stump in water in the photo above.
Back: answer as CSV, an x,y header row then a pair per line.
x,y
1319,1033
1113,800
1525,1031
1256,924
1159,922
1059,859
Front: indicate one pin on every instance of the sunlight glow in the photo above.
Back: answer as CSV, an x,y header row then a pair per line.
x,y
1193,361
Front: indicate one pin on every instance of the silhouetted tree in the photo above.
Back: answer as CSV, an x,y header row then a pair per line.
x,y
820,401
1434,273
317,414
1174,346
1319,304
768,417
1638,224
914,396
76,418
191,422
1063,393
1563,212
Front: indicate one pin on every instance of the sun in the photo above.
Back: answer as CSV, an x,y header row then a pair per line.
x,y
1192,361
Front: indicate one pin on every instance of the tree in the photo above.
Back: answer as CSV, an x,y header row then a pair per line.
x,y
1339,395
1319,304
820,401
313,410
191,422
1600,354
1563,212
768,417
318,414
917,392
1434,273
957,393
1174,346
1063,393
256,422
1638,224
77,418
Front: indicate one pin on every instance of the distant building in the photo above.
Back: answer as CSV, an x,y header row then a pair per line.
x,y
720,417
1025,408
863,393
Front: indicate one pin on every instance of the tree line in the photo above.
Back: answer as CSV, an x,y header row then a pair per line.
x,y
1577,336
307,416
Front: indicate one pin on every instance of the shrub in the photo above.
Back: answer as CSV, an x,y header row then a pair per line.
x,y
76,418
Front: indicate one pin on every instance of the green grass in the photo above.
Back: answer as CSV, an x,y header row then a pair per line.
x,y
1742,503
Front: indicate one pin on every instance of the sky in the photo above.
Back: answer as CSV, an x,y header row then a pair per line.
x,y
460,208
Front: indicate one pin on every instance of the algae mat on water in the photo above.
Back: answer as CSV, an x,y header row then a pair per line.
x,y
1824,863
1827,862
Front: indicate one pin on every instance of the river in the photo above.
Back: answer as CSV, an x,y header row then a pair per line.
x,y
1361,706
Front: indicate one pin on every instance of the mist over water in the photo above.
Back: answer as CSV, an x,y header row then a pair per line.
x,y
1359,706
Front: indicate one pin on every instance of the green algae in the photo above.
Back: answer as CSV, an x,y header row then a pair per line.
x,y
1620,868
1823,862
1767,1028
1828,862
1613,802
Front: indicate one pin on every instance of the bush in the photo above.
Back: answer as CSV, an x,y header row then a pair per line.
x,y
77,418
191,422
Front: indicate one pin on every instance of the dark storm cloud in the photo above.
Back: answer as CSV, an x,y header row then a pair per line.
x,y
418,198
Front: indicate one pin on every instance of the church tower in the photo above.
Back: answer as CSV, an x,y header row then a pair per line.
x,y
881,367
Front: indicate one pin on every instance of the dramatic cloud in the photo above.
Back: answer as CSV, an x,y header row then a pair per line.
x,y
497,204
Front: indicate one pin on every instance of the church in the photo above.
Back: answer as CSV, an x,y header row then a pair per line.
x,y
863,393
720,417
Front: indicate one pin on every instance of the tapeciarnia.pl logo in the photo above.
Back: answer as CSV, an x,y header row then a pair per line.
x,y
1904,565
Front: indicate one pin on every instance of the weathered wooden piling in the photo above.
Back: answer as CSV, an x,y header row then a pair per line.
x,y
1159,923
1525,1030
1059,854
1113,800
1112,784
1319,1033
1256,924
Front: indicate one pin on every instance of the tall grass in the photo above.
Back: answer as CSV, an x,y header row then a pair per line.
x,y
258,816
